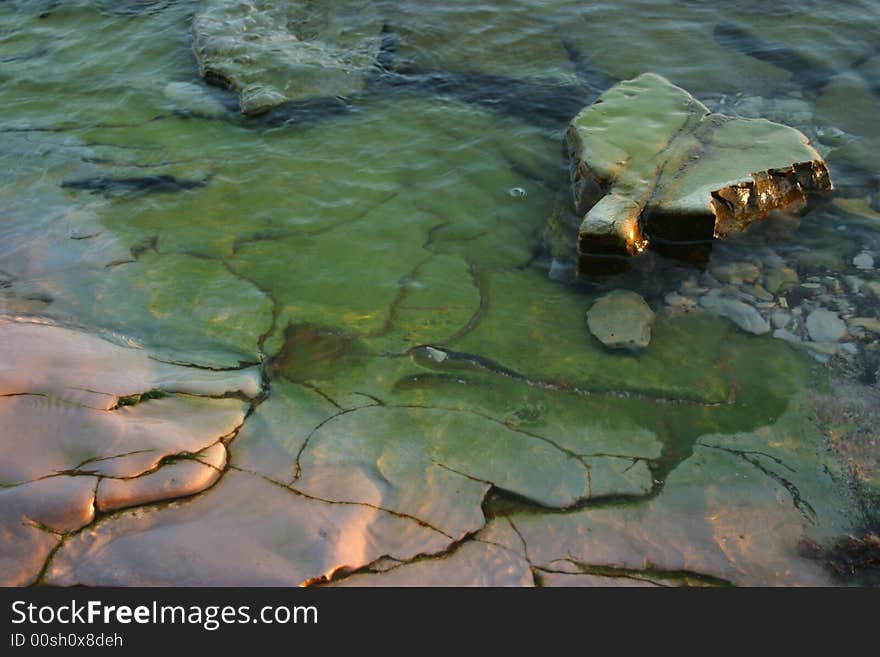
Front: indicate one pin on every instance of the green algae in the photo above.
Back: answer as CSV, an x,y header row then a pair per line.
x,y
546,339
334,249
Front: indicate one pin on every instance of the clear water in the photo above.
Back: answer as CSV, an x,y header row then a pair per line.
x,y
331,246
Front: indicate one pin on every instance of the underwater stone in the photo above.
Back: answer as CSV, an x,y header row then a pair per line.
x,y
648,161
741,314
780,280
825,326
273,52
621,320
864,261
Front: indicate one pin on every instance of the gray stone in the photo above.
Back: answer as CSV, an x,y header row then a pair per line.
x,y
758,292
825,326
737,272
864,261
741,314
621,320
788,336
780,280
780,319
871,324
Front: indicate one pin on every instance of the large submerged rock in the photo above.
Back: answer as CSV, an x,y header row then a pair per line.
x,y
649,162
273,52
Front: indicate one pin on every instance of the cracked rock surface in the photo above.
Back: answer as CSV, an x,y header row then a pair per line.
x,y
321,347
79,438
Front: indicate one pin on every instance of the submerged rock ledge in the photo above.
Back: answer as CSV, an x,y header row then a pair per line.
x,y
273,52
650,162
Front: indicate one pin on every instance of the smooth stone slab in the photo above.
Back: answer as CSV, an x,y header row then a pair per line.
x,y
434,464
272,51
621,320
43,437
737,510
473,564
178,479
33,515
648,161
86,369
245,531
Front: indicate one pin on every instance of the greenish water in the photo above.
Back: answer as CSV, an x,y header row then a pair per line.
x,y
330,244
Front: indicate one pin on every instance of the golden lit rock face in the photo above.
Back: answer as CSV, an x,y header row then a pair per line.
x,y
650,162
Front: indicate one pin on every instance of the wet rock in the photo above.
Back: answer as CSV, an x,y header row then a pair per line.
x,y
871,324
758,292
788,336
48,437
32,518
180,478
741,314
492,559
780,319
271,535
825,326
864,261
850,411
648,161
737,272
854,283
780,280
679,301
621,320
769,488
434,465
272,51
78,367
194,98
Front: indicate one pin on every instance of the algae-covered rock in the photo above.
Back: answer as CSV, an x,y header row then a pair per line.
x,y
648,161
272,52
621,320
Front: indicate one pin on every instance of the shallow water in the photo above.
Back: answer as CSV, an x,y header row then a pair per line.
x,y
329,244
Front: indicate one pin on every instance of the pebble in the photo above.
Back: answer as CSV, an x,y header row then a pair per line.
x,y
679,301
780,319
788,336
854,283
864,261
871,324
736,272
780,280
825,326
850,348
758,292
741,314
